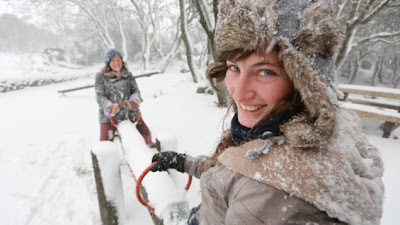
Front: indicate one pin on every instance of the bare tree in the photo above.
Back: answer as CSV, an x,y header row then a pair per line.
x,y
119,23
355,14
377,71
207,21
146,12
355,67
160,31
187,40
166,58
208,13
107,20
395,66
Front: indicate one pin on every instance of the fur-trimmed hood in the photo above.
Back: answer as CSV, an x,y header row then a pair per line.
x,y
308,37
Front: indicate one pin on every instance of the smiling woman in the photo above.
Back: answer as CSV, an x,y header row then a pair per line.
x,y
291,155
118,97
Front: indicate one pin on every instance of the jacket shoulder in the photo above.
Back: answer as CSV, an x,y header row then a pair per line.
x,y
99,75
339,170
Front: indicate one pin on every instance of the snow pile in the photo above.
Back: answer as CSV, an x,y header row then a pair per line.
x,y
169,203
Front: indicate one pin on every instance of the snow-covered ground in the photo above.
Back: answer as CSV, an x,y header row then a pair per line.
x,y
46,138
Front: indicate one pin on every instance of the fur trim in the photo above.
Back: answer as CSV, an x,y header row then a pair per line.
x,y
239,29
320,32
315,128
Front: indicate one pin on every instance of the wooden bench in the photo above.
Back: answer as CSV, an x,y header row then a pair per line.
x,y
374,102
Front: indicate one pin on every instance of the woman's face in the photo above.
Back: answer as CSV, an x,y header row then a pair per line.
x,y
116,64
257,84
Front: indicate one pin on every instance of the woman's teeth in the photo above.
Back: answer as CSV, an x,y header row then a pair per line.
x,y
251,108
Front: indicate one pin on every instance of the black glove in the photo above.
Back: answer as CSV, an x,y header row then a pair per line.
x,y
121,115
168,160
133,108
133,114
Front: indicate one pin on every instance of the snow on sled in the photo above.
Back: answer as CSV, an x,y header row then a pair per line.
x,y
167,204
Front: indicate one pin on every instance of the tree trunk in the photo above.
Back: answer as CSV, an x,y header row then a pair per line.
x,y
346,47
174,50
123,36
354,71
207,24
222,94
205,21
397,82
146,51
377,70
187,41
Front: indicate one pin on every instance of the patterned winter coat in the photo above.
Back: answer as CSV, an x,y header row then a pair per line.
x,y
111,89
337,184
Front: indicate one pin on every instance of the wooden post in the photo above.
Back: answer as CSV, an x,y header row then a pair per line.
x,y
388,127
108,212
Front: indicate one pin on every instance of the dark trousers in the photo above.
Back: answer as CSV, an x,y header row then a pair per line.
x,y
107,131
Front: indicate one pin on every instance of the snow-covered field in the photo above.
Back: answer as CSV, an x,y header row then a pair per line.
x,y
46,138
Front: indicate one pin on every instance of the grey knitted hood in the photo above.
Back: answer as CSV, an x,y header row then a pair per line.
x,y
308,37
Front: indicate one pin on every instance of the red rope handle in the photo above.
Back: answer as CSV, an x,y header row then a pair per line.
x,y
139,183
188,183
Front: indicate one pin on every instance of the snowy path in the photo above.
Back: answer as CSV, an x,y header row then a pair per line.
x,y
47,158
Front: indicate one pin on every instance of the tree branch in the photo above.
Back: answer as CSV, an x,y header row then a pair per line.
x,y
380,36
374,11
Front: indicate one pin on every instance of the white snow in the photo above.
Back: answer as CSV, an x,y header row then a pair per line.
x,y
371,109
46,139
371,89
167,201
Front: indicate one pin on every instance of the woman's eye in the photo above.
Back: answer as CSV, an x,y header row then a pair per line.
x,y
267,73
234,68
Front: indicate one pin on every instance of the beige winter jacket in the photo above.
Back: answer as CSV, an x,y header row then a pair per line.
x,y
326,171
295,186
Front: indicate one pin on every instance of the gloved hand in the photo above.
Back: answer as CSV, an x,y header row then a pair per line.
x,y
121,115
132,104
111,110
168,160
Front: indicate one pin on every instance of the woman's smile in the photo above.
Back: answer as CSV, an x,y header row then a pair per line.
x,y
251,108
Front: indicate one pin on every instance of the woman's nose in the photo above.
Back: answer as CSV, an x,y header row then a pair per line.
x,y
244,89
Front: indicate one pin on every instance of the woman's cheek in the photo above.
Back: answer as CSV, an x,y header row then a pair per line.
x,y
229,84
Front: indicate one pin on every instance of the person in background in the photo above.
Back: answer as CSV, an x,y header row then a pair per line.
x,y
292,155
114,85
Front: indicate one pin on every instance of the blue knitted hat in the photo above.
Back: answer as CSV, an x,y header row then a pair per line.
x,y
110,54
